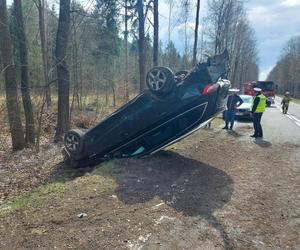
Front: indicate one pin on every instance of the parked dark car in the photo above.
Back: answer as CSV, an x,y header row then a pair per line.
x,y
173,107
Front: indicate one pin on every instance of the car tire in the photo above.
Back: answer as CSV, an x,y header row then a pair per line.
x,y
73,141
160,80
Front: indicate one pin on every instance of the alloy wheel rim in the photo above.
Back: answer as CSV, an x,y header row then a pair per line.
x,y
157,79
72,142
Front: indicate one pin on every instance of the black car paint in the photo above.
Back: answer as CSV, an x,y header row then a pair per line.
x,y
130,122
151,121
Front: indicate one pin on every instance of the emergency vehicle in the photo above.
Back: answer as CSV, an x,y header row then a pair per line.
x,y
266,86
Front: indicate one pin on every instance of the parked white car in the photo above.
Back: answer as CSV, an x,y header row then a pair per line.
x,y
244,111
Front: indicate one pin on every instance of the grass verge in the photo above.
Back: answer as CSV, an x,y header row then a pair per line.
x,y
23,202
84,184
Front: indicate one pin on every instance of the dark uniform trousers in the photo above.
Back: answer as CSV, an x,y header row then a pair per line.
x,y
256,124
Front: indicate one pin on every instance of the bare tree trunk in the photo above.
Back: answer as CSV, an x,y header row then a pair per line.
x,y
114,93
29,119
126,94
171,5
40,4
75,62
16,129
156,35
63,121
185,8
196,34
142,56
106,94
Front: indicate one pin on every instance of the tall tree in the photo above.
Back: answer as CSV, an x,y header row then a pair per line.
x,y
286,73
185,7
155,35
41,6
196,33
171,5
22,41
228,27
16,129
142,57
108,46
63,122
126,94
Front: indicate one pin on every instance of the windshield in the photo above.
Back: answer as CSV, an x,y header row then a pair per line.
x,y
247,99
268,85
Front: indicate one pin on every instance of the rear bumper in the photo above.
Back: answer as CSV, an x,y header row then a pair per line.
x,y
243,114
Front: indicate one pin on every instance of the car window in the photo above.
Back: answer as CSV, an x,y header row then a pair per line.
x,y
267,85
133,149
175,127
247,99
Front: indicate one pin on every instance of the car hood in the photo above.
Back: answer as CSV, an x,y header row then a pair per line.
x,y
245,106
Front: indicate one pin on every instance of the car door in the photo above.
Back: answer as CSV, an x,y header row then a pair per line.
x,y
174,128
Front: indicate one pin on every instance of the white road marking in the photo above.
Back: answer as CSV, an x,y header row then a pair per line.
x,y
294,118
291,117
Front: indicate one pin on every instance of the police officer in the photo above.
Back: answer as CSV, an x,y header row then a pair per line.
x,y
258,108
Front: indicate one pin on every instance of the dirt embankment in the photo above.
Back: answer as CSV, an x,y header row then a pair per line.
x,y
213,190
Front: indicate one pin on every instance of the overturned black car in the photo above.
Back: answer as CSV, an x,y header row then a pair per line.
x,y
173,107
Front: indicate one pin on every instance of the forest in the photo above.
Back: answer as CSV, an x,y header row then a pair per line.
x,y
61,61
286,72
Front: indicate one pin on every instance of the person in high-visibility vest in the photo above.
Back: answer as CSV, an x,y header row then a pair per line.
x,y
258,108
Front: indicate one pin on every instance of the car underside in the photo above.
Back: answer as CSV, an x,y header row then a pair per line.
x,y
174,106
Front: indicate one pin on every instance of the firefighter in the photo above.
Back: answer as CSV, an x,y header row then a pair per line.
x,y
258,108
285,102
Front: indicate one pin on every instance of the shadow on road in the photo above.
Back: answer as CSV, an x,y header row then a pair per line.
x,y
262,143
189,186
234,133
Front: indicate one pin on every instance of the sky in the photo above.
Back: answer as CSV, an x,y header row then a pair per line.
x,y
274,22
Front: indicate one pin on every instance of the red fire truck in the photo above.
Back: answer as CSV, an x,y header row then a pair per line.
x,y
266,86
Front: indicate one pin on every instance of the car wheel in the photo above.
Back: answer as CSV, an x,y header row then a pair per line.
x,y
73,141
160,80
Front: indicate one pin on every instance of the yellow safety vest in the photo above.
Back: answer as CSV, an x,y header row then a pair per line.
x,y
261,107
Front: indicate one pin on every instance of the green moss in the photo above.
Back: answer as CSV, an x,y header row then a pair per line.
x,y
55,189
61,187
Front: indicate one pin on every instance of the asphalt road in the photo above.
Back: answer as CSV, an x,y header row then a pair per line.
x,y
294,110
280,128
